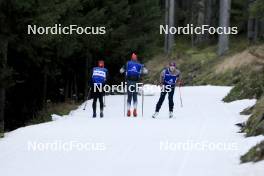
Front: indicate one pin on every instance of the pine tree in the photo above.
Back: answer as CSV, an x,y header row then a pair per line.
x,y
224,21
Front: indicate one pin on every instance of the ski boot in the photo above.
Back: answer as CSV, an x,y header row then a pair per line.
x,y
101,114
135,113
155,115
171,114
128,113
94,114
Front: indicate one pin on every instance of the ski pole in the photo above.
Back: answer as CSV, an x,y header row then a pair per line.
x,y
104,101
88,96
142,101
180,95
124,102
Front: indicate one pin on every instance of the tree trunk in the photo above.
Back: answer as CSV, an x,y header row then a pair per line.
x,y
224,21
252,26
87,72
75,88
171,24
215,13
261,28
3,66
250,30
45,85
192,22
166,50
71,88
256,30
208,17
66,92
200,20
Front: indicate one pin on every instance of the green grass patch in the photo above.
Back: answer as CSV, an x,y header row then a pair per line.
x,y
53,108
197,63
248,85
255,154
255,123
238,44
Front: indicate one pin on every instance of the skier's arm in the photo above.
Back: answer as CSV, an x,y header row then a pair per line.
x,y
162,74
144,70
179,80
107,77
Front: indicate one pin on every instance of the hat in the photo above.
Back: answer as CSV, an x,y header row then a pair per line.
x,y
101,63
134,57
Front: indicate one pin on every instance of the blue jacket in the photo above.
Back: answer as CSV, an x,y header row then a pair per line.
x,y
169,78
99,75
133,69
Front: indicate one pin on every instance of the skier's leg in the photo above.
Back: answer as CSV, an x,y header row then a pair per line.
x,y
170,97
100,96
171,103
134,94
133,91
94,103
135,102
101,101
135,99
129,97
161,99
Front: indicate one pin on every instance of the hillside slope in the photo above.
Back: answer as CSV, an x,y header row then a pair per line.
x,y
242,67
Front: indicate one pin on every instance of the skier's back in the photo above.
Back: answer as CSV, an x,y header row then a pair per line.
x,y
133,71
99,75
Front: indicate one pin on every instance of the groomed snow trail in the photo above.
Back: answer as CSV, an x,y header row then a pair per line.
x,y
137,146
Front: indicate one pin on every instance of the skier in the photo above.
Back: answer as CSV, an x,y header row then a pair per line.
x,y
133,71
98,80
169,77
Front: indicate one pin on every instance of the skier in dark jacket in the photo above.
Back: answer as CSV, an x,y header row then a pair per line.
x,y
133,71
98,80
169,78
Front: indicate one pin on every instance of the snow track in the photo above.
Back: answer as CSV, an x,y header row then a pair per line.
x,y
137,146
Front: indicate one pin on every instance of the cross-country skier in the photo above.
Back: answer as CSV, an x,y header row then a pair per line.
x,y
169,78
98,80
133,71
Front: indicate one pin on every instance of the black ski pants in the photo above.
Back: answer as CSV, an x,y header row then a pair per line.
x,y
98,95
170,98
132,93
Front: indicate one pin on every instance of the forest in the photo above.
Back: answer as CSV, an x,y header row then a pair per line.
x,y
36,70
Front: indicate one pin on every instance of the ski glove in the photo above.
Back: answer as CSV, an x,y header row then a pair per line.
x,y
180,83
144,71
122,70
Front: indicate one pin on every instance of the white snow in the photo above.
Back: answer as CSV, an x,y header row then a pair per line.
x,y
119,146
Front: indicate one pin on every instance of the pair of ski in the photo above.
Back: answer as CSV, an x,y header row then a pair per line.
x,y
171,114
154,116
142,103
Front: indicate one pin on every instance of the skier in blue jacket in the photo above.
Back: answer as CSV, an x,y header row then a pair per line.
x,y
99,75
169,78
133,71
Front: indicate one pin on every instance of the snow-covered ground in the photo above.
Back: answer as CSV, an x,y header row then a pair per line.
x,y
201,140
